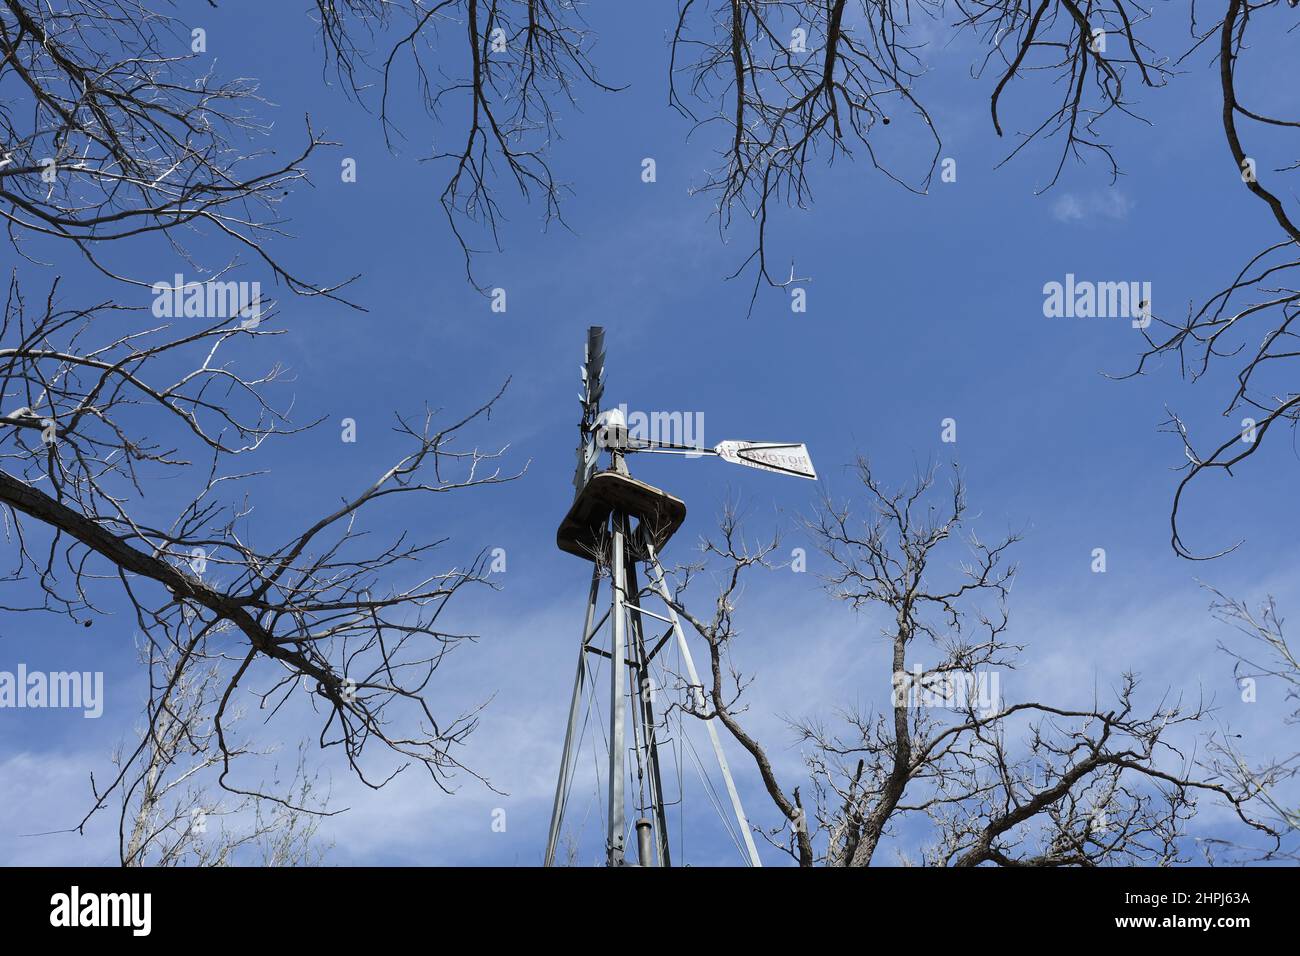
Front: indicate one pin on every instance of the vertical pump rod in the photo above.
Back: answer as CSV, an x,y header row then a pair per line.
x,y
617,676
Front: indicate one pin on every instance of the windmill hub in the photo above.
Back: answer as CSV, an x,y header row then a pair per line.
x,y
611,429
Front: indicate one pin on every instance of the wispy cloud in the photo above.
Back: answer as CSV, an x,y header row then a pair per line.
x,y
1098,204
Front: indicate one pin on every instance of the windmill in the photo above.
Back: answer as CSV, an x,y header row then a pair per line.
x,y
617,523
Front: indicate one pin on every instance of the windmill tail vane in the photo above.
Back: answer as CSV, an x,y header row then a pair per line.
x,y
786,458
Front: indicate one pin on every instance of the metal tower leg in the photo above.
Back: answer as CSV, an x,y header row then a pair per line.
x,y
645,705
639,748
562,785
617,671
657,579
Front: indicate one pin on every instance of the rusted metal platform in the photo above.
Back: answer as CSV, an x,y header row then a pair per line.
x,y
583,531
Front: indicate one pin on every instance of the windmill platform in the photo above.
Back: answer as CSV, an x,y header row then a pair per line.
x,y
584,532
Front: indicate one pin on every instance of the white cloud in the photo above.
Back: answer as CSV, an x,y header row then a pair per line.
x,y
1098,204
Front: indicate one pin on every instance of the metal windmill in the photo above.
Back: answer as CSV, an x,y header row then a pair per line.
x,y
618,523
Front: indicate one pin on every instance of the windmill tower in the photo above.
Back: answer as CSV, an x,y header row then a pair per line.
x,y
621,524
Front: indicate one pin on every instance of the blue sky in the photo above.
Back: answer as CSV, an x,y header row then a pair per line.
x,y
920,308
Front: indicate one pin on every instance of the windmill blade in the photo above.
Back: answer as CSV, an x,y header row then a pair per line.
x,y
593,390
593,374
786,458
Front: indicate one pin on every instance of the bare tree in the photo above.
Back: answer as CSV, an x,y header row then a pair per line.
x,y
786,86
171,815
112,128
492,73
1267,659
96,417
1091,785
1247,322
1089,50
787,81
797,82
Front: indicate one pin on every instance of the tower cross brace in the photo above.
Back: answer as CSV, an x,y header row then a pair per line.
x,y
617,522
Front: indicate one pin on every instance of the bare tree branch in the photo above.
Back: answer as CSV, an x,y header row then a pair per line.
x,y
1088,786
112,129
357,623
